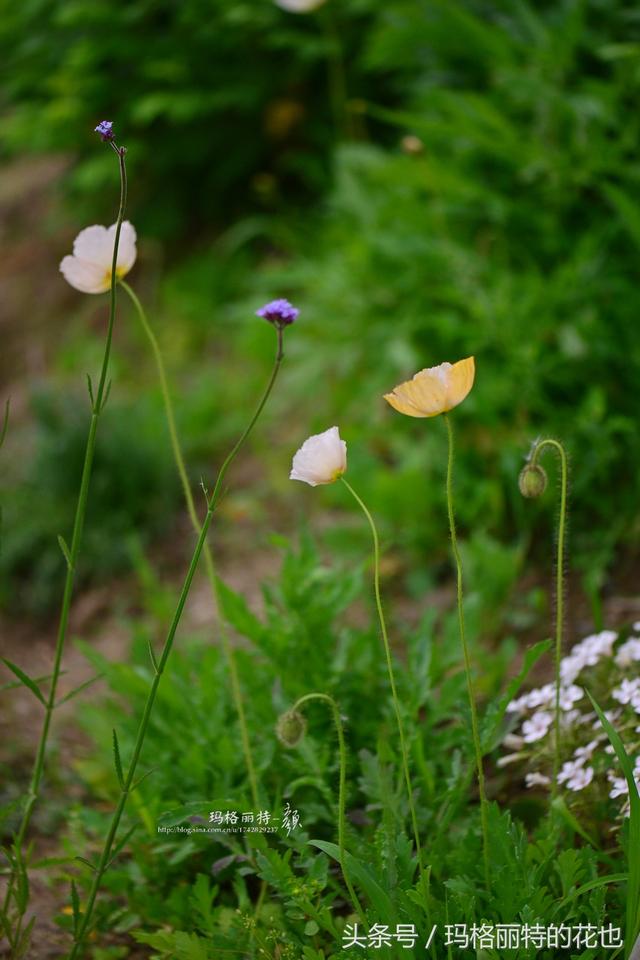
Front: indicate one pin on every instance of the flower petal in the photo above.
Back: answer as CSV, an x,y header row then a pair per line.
x,y
322,458
422,396
85,276
94,245
127,252
460,380
433,390
299,6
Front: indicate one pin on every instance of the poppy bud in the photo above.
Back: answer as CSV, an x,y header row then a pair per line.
x,y
532,481
291,728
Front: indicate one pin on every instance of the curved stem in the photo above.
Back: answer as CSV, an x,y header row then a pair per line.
x,y
236,689
128,784
467,659
387,650
78,524
342,750
562,526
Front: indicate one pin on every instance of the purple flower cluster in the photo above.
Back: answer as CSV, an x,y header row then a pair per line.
x,y
105,129
279,312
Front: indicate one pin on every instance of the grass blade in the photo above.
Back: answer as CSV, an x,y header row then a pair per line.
x,y
25,680
633,891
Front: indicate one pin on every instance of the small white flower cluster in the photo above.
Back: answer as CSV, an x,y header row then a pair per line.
x,y
620,787
629,651
608,669
587,653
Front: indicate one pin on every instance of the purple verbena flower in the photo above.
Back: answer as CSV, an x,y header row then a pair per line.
x,y
105,129
279,312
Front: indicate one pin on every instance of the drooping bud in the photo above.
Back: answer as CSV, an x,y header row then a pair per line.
x,y
291,728
532,481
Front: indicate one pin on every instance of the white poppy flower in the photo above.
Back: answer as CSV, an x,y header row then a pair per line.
x,y
299,6
321,459
89,269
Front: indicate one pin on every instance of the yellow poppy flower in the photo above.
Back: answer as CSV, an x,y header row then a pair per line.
x,y
434,390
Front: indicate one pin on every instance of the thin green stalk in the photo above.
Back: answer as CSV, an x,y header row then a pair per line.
x,y
128,781
562,529
342,751
467,658
96,410
387,650
236,689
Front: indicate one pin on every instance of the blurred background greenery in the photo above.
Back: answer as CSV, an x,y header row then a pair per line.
x,y
424,180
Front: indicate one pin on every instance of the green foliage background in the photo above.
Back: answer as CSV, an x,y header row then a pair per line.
x,y
512,235
268,156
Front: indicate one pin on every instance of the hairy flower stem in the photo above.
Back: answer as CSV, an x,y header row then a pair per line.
x,y
128,784
392,681
342,751
97,406
236,689
562,530
467,659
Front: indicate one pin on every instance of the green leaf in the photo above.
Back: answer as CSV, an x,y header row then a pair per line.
x,y
43,678
25,680
65,550
117,760
593,885
142,778
494,716
106,397
119,847
237,613
90,389
75,906
633,891
559,805
87,863
83,686
153,656
361,874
